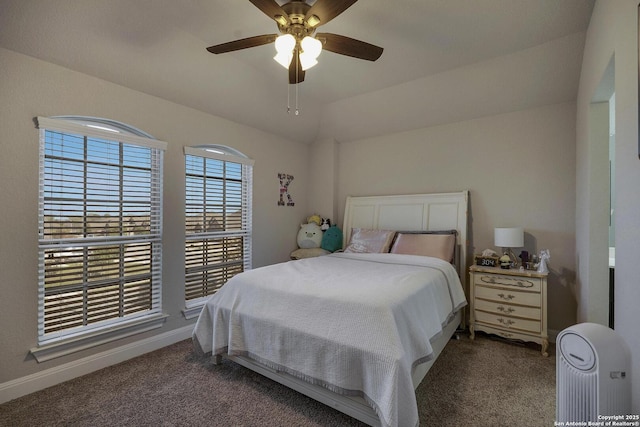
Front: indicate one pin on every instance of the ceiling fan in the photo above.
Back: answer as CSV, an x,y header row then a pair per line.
x,y
299,45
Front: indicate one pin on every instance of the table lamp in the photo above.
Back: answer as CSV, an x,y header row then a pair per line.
x,y
507,238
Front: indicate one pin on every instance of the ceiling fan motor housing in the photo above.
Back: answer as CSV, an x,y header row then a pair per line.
x,y
297,25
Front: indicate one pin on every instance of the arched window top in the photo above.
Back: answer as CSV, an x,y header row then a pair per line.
x,y
219,152
95,127
221,149
106,125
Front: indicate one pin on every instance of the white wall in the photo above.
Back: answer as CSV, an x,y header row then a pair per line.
x,y
613,33
31,88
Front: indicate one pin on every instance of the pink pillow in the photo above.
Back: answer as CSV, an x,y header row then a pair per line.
x,y
433,245
365,240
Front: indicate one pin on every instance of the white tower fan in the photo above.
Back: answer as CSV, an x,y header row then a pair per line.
x,y
592,373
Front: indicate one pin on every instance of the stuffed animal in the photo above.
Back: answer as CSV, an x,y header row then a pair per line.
x,y
505,261
325,224
314,218
332,239
309,236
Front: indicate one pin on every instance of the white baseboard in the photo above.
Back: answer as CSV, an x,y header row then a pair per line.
x,y
40,380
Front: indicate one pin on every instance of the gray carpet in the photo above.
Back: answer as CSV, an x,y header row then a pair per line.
x,y
486,382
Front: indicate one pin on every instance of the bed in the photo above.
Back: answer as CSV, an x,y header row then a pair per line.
x,y
356,330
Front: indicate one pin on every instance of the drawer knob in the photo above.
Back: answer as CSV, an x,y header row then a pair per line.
x,y
507,322
507,310
506,297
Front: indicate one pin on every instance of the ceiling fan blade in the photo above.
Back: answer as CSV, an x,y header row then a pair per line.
x,y
272,10
348,46
243,43
326,10
296,73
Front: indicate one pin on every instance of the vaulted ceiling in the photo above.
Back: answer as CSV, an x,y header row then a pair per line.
x,y
158,47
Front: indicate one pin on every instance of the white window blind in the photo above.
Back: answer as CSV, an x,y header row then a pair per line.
x,y
219,185
100,226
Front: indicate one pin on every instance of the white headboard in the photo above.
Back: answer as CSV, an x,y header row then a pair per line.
x,y
412,212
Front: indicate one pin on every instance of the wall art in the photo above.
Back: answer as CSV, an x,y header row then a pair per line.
x,y
285,181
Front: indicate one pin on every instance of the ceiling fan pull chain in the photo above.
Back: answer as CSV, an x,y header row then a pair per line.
x,y
288,98
297,79
297,111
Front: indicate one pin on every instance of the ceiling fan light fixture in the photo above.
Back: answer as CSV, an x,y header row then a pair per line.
x,y
285,43
284,59
280,20
306,61
311,49
313,21
284,48
311,46
297,22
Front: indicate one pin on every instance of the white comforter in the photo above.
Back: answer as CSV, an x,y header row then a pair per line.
x,y
355,323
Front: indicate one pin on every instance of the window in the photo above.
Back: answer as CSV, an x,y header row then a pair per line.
x,y
218,220
100,227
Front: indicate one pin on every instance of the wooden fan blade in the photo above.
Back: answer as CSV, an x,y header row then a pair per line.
x,y
296,73
326,10
243,43
348,46
271,9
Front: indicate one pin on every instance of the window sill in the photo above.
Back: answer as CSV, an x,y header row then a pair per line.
x,y
64,347
193,309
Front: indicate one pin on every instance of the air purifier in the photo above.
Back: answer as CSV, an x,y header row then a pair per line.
x,y
592,374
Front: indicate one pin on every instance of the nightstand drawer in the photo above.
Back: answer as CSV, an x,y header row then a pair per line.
x,y
508,322
508,296
524,283
498,308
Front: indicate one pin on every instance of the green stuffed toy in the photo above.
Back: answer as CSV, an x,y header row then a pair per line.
x,y
332,239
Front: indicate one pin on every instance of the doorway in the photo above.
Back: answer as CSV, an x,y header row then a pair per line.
x,y
602,201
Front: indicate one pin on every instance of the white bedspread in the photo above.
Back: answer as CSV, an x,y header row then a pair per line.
x,y
355,323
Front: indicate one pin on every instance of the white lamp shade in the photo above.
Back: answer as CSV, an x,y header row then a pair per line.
x,y
284,49
284,59
306,61
512,237
311,48
285,43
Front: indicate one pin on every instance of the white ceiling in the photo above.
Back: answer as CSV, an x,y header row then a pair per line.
x,y
158,47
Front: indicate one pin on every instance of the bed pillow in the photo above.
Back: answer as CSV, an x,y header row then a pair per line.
x,y
364,240
438,245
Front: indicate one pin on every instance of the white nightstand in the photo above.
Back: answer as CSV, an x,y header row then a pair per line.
x,y
509,303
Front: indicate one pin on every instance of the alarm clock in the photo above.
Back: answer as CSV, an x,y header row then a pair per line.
x,y
487,261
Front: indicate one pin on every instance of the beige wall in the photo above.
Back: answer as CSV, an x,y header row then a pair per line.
x,y
31,88
323,171
612,35
519,168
